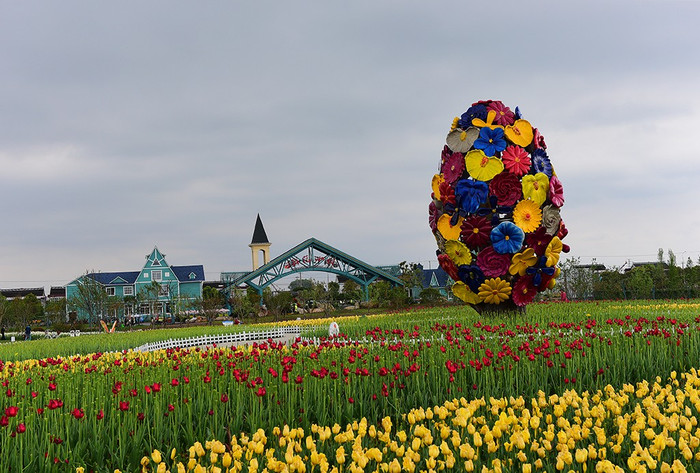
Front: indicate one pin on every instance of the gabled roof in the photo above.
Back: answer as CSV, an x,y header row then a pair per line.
x,y
259,235
183,273
116,278
57,291
439,274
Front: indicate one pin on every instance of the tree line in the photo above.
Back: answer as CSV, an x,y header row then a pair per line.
x,y
664,278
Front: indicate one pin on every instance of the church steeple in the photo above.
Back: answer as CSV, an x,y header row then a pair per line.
x,y
259,243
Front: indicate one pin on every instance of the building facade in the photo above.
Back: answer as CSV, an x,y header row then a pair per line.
x,y
157,290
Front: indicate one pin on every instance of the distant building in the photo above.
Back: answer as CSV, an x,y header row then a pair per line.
x,y
177,285
20,293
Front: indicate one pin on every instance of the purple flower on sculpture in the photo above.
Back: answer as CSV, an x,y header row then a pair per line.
x,y
478,110
471,194
433,216
518,114
540,162
504,115
490,141
556,191
453,167
490,209
471,275
492,263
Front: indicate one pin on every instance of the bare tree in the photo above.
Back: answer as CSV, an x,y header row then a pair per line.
x,y
90,298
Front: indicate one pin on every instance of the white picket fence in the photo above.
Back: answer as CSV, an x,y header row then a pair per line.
x,y
220,339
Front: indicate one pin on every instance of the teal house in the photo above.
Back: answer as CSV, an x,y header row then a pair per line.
x,y
157,290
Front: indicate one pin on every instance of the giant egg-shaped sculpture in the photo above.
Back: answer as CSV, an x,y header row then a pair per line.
x,y
495,209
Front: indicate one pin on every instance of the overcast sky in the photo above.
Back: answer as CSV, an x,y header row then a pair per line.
x,y
128,125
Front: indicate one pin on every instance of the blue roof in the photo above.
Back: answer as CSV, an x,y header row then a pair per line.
x,y
109,278
182,273
439,274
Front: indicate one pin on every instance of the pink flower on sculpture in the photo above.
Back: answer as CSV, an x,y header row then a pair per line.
x,y
538,140
504,115
453,167
556,191
523,291
516,160
492,263
507,189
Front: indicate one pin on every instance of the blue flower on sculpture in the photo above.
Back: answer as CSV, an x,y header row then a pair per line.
x,y
470,194
540,162
475,111
539,270
472,276
507,237
490,141
491,209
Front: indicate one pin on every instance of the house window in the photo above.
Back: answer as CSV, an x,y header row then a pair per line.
x,y
164,291
156,262
144,309
157,275
167,274
110,291
128,290
192,275
145,275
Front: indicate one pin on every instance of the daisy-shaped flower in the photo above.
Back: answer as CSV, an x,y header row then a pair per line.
x,y
491,141
482,167
541,163
536,187
433,215
495,291
520,133
516,160
476,231
553,251
458,252
524,291
527,215
507,237
504,115
446,229
556,191
521,261
461,141
462,291
471,275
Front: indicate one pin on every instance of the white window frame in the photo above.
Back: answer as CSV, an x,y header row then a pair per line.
x,y
128,290
164,291
156,275
111,290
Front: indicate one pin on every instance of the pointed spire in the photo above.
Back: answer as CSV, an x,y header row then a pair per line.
x,y
259,235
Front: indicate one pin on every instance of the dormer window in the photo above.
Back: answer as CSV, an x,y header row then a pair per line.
x,y
192,275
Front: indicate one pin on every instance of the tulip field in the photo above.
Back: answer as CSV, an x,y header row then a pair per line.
x,y
611,386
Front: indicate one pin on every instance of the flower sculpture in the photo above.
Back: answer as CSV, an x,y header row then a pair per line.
x,y
495,209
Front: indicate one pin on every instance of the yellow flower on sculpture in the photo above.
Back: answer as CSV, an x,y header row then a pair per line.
x,y
535,187
461,290
527,215
458,252
553,251
520,133
437,180
482,167
522,261
448,231
495,291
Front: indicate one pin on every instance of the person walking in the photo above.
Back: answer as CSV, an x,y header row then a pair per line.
x,y
3,332
28,333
